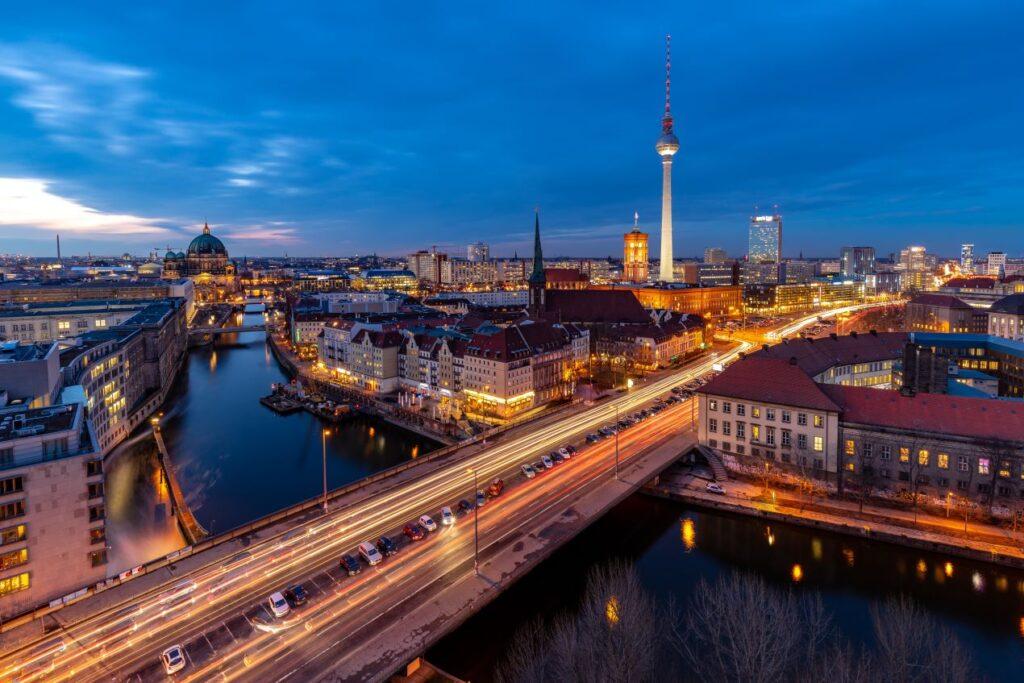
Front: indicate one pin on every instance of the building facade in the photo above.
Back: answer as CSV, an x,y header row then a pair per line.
x,y
1006,318
944,313
635,259
857,261
764,243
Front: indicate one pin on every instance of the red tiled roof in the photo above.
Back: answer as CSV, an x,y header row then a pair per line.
x,y
564,275
942,300
815,356
984,418
517,341
970,283
593,306
769,380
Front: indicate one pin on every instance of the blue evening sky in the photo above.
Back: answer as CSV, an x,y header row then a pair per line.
x,y
342,128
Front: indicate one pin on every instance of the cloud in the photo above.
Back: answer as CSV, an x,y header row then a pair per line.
x,y
272,232
28,203
242,182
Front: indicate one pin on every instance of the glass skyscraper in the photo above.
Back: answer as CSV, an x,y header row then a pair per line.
x,y
765,243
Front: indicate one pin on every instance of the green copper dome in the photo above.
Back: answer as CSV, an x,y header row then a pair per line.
x,y
206,244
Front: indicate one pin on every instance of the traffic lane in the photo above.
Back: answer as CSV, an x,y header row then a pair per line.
x,y
549,493
510,526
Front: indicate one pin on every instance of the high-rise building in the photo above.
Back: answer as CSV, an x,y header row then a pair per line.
x,y
427,265
667,146
715,255
997,263
917,273
967,258
765,239
478,251
857,261
634,256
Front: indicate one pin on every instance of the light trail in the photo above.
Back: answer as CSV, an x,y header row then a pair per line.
x,y
99,643
801,323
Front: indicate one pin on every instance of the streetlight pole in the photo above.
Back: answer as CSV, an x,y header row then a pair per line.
x,y
324,433
616,441
476,526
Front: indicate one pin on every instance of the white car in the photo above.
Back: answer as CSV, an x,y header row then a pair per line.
x,y
428,523
173,659
278,605
447,518
547,462
370,554
715,487
528,470
564,452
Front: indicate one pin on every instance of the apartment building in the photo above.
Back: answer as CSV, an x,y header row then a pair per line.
x,y
944,313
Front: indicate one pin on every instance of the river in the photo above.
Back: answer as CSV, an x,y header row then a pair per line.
x,y
237,461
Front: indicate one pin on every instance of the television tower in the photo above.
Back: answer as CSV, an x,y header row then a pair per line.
x,y
667,146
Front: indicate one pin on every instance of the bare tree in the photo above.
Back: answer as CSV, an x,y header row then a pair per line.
x,y
912,646
740,629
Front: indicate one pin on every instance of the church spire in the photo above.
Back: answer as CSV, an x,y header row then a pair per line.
x,y
538,254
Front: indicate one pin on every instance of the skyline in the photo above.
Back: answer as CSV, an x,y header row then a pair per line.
x,y
117,133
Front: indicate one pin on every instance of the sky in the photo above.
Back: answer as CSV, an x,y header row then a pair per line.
x,y
351,128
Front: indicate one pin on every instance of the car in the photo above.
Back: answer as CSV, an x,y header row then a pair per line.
x,y
496,488
465,506
278,605
414,531
593,437
386,546
547,462
296,595
428,523
539,467
565,452
447,517
556,457
678,390
607,431
173,659
527,470
715,487
481,499
370,554
350,565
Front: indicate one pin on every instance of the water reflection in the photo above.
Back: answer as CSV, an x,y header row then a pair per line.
x,y
852,575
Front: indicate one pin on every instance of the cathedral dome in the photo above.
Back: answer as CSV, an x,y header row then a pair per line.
x,y
206,244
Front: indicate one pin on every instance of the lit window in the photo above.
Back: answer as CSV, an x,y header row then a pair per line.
x,y
904,454
712,404
943,461
819,444
983,465
12,584
922,457
755,432
755,411
850,447
819,421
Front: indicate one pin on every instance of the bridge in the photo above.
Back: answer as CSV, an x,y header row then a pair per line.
x,y
363,627
261,327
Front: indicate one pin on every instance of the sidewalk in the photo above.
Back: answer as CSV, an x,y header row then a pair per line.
x,y
983,542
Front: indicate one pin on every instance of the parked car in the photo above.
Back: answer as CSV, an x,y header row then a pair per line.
x,y
370,554
496,488
528,470
296,595
173,659
465,506
556,457
414,531
481,499
715,487
565,452
386,546
428,523
447,516
350,565
278,605
547,462
539,467
593,437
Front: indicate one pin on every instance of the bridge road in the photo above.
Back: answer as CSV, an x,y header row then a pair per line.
x,y
119,642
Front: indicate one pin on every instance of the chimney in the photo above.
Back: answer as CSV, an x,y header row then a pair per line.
x,y
873,333
764,347
854,334
834,336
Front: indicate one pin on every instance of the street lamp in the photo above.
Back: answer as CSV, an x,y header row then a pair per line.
x,y
476,524
323,451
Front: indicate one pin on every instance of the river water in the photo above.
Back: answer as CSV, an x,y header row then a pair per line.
x,y
237,461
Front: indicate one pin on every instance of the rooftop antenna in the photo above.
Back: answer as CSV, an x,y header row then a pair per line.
x,y
666,120
636,220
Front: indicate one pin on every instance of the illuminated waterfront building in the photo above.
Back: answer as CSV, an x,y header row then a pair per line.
x,y
635,257
667,146
206,263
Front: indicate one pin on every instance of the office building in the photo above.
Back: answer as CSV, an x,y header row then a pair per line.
x,y
635,257
996,263
765,239
478,251
715,255
427,266
1006,318
944,313
967,259
720,274
769,299
856,261
793,271
667,146
52,511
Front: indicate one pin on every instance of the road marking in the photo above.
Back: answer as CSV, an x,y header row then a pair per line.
x,y
209,643
230,632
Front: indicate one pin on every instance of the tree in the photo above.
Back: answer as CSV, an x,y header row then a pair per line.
x,y
912,646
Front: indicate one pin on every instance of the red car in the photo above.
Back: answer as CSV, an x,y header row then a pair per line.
x,y
414,531
495,489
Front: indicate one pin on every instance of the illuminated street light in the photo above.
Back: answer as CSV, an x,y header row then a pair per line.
x,y
323,451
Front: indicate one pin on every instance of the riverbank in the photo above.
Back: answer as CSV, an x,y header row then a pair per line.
x,y
978,542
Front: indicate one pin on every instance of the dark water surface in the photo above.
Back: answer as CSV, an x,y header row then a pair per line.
x,y
674,547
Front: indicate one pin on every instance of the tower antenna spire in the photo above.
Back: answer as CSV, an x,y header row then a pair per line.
x,y
636,220
666,120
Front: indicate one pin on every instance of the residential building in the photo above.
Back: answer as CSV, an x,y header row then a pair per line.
x,y
29,374
996,263
645,348
859,360
477,252
715,255
427,266
930,356
1006,318
15,292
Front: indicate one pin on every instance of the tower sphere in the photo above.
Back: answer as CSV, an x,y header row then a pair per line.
x,y
667,145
